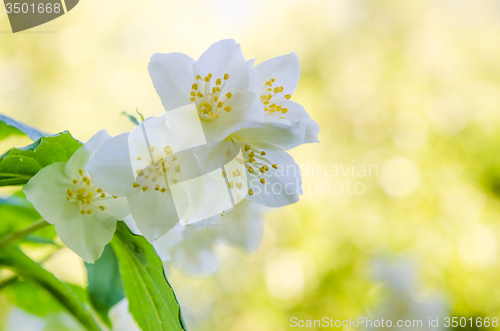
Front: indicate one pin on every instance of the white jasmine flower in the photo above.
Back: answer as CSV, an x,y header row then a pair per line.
x,y
162,187
237,123
218,83
278,79
84,215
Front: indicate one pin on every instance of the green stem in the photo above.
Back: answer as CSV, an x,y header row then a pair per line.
x,y
17,235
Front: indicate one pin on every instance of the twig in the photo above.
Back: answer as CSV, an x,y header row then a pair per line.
x,y
17,235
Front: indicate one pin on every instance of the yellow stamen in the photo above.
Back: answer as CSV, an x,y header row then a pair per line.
x,y
250,192
102,208
144,188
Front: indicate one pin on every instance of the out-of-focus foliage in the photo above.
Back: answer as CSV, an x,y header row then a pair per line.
x,y
411,88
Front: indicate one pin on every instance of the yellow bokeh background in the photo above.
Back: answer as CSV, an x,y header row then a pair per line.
x,y
409,88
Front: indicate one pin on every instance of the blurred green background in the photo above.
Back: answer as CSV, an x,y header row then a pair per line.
x,y
409,89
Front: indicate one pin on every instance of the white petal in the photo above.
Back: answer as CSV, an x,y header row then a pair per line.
x,y
283,185
47,192
297,113
285,69
244,108
154,213
196,255
243,226
87,235
282,135
82,156
116,208
223,57
110,168
254,76
201,197
172,76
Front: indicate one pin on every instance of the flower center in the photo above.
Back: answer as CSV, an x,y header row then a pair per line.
x,y
83,192
271,97
256,162
162,166
211,100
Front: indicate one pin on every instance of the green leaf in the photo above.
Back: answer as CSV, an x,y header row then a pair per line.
x,y
105,287
18,165
131,118
9,126
152,301
13,258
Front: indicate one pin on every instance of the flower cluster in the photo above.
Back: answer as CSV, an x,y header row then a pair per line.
x,y
218,152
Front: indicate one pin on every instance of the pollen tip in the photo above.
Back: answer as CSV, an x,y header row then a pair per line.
x,y
250,192
102,208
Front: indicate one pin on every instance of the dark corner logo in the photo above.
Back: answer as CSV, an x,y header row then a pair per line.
x,y
26,14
